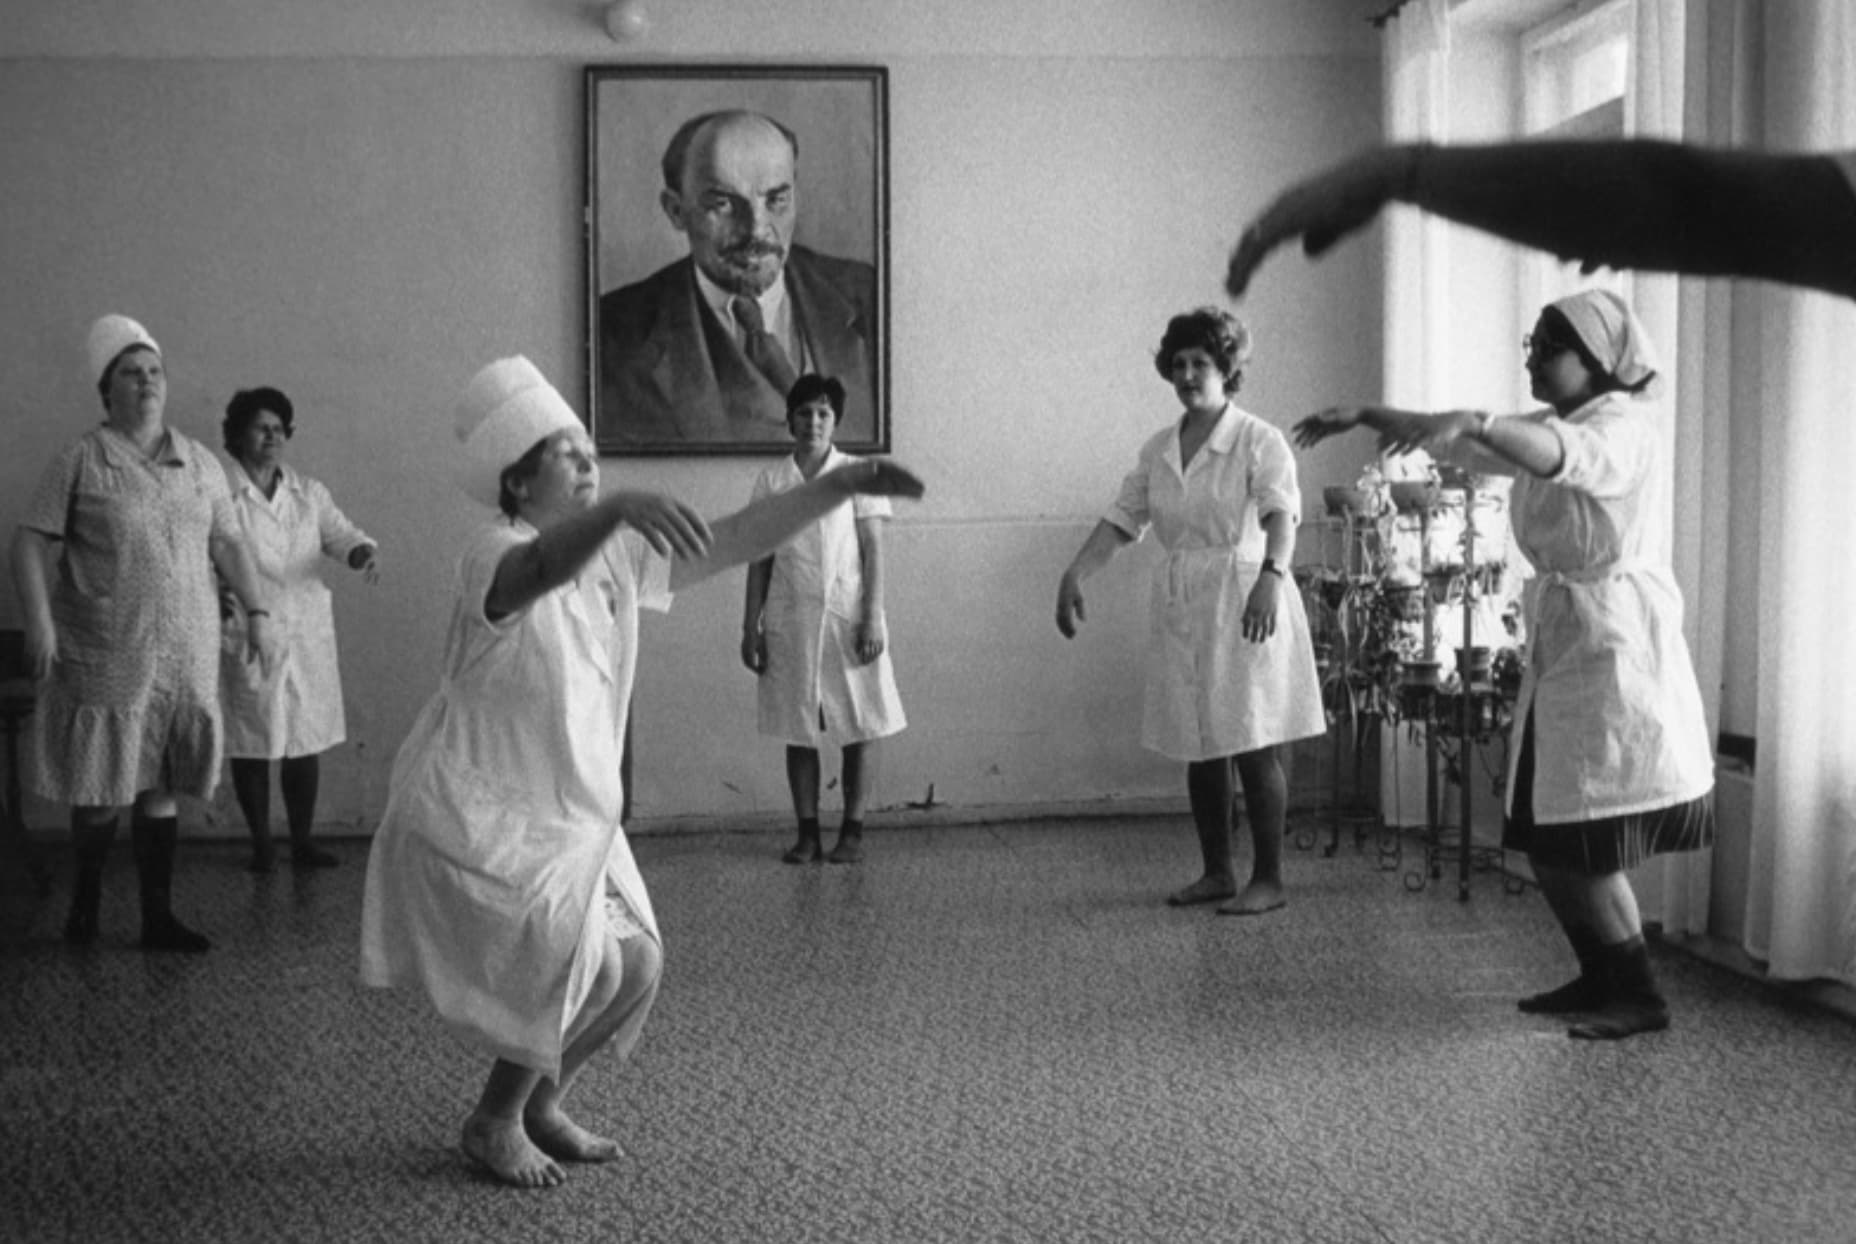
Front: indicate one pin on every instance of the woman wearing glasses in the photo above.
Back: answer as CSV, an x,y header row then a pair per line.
x,y
1610,762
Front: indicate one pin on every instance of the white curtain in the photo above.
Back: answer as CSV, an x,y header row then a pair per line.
x,y
1674,889
1417,108
1801,907
1417,105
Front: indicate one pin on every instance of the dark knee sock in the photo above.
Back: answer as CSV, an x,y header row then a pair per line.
x,y
1585,992
1633,1003
850,848
155,840
806,849
251,784
91,848
301,776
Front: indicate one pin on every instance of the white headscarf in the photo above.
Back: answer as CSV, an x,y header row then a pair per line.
x,y
109,337
1611,333
504,410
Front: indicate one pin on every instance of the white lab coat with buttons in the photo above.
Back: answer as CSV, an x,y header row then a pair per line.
x,y
488,877
1618,720
814,604
1210,692
296,709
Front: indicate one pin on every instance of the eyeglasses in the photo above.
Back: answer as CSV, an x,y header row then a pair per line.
x,y
1537,346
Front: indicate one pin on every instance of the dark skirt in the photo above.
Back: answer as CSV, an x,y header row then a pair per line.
x,y
1609,844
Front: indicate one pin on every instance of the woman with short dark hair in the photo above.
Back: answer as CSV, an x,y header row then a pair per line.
x,y
293,713
814,631
1230,665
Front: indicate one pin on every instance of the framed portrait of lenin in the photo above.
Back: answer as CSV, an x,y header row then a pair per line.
x,y
737,237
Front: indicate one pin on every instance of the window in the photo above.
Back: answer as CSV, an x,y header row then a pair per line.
x,y
1574,69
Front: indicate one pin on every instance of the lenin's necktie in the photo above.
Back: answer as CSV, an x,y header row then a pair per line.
x,y
762,347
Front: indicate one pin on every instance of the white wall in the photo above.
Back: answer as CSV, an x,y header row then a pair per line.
x,y
361,203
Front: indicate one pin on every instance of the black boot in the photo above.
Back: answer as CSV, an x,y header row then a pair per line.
x,y
91,844
1632,1003
1586,992
850,848
807,849
155,840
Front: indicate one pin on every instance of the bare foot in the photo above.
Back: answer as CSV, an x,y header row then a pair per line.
x,y
1204,890
1257,898
501,1147
559,1136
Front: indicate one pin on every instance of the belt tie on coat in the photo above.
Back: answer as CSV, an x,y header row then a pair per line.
x,y
1178,582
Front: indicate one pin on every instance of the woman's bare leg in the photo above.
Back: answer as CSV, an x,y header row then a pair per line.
x,y
1266,800
862,762
616,1000
494,1136
802,779
1208,786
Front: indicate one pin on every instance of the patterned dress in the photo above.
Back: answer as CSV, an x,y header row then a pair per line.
x,y
133,699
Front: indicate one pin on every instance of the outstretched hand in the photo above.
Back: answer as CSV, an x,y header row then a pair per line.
x,y
671,527
1320,210
1400,432
879,477
1325,423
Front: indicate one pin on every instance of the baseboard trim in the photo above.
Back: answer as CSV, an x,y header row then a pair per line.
x,y
1833,996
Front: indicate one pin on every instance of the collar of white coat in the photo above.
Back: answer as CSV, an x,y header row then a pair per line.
x,y
243,483
792,476
1222,440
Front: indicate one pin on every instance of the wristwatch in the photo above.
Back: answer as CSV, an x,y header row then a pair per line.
x,y
1270,567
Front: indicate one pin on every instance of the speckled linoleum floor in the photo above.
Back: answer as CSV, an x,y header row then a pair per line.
x,y
981,1034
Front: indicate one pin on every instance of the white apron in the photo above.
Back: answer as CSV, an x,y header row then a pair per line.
x,y
297,709
814,603
1209,691
501,838
1618,720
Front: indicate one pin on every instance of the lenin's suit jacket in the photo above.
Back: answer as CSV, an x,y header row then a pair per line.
x,y
670,371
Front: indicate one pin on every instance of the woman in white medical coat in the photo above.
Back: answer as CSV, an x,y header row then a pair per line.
x,y
1230,666
293,713
500,883
1610,762
814,633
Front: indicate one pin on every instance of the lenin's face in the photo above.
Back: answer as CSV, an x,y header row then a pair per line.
x,y
736,203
